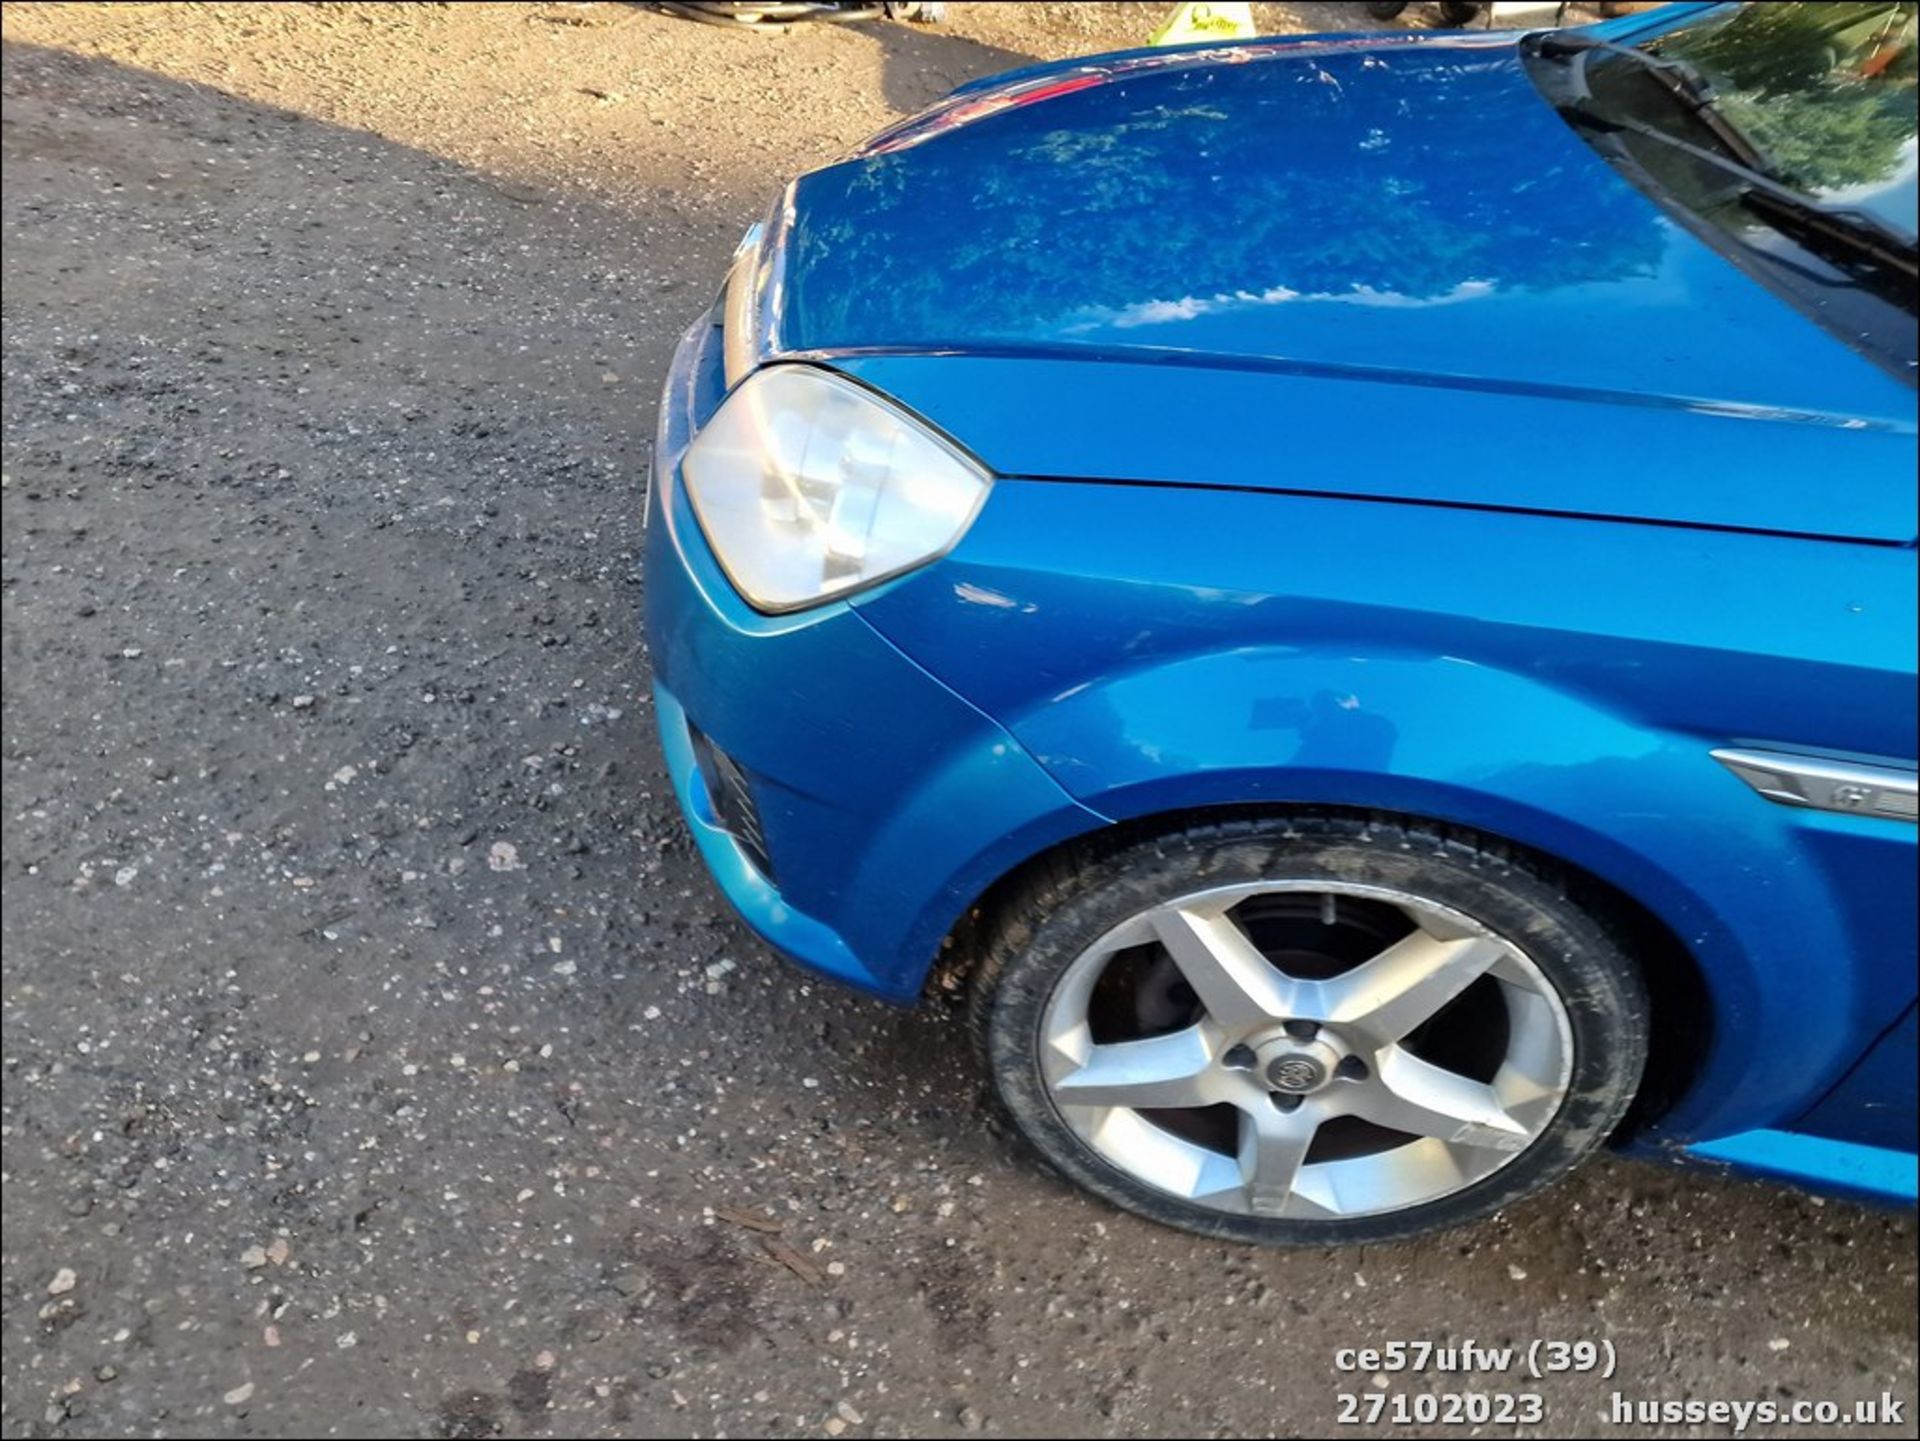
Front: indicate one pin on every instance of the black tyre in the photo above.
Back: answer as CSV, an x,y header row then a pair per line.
x,y
1308,1031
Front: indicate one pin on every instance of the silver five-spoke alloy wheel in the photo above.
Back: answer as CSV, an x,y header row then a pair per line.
x,y
1394,1066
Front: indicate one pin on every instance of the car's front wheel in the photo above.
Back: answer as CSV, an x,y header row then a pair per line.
x,y
1308,1031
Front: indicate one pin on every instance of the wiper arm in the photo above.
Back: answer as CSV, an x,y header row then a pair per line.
x,y
1682,81
1823,230
1885,254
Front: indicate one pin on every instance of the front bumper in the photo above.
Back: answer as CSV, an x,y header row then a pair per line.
x,y
884,802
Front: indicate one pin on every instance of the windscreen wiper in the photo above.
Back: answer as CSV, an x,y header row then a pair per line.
x,y
1865,245
1686,84
1822,229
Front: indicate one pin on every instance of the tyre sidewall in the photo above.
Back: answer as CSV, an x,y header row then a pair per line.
x,y
1605,1005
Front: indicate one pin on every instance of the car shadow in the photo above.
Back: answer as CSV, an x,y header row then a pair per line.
x,y
922,63
334,445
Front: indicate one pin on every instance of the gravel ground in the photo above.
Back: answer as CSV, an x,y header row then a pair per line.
x,y
378,1060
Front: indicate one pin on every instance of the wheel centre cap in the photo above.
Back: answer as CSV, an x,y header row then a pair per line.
x,y
1296,1068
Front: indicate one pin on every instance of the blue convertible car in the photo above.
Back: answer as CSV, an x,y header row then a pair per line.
x,y
1358,592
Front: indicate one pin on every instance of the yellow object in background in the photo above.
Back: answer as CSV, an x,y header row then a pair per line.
x,y
1189,23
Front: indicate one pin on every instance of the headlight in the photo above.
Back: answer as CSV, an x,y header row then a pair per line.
x,y
809,486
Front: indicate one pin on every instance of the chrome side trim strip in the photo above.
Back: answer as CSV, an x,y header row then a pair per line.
x,y
1846,787
740,338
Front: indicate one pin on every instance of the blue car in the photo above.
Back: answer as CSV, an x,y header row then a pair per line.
x,y
1356,593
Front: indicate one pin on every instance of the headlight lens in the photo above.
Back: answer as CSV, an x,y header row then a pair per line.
x,y
809,486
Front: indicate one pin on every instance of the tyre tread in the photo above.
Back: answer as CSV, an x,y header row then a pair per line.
x,y
1119,859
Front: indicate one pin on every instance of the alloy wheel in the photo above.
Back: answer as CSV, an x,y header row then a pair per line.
x,y
1305,1049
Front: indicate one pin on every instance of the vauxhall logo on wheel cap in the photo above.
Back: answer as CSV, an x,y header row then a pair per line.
x,y
1296,1074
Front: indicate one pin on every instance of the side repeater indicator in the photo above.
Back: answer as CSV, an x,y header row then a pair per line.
x,y
1845,787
